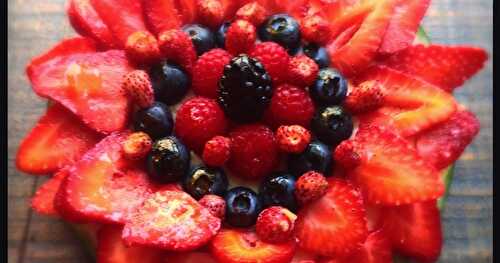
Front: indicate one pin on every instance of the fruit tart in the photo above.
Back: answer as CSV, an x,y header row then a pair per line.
x,y
266,131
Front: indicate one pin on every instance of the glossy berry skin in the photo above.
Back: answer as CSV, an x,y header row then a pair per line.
x,y
278,190
316,157
203,39
318,54
243,206
202,181
168,160
282,29
275,224
330,87
332,125
310,186
170,82
220,34
156,120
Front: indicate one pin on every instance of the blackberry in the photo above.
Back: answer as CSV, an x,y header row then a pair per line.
x,y
245,89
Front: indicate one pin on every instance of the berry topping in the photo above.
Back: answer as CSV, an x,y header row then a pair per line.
x,y
302,71
367,96
156,121
168,160
242,207
240,37
310,187
203,39
205,180
214,203
282,29
210,12
217,151
332,125
315,28
177,46
252,12
329,88
277,190
290,105
170,83
155,12
293,139
318,54
142,48
208,70
245,89
43,200
347,155
138,87
220,35
137,146
274,58
316,157
275,225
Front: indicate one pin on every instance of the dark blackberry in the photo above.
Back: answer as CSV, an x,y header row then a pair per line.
x,y
245,89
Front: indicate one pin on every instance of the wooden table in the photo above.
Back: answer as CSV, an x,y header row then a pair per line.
x,y
36,25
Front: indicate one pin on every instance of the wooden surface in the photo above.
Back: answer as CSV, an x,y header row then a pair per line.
x,y
36,25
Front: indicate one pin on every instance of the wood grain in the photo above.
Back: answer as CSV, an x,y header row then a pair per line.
x,y
36,25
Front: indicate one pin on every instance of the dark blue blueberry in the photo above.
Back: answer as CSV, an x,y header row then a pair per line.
x,y
242,207
282,29
220,35
316,157
278,189
330,87
170,83
205,180
318,54
332,125
156,121
168,160
203,39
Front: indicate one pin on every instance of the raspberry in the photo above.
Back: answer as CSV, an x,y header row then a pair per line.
x,y
252,12
142,48
315,28
293,139
210,12
291,105
274,58
346,155
137,146
177,46
254,151
367,96
137,85
310,186
208,70
302,71
217,151
275,224
214,203
198,120
240,37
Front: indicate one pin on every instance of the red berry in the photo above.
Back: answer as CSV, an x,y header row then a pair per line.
x,y
274,58
291,105
137,145
346,155
215,204
314,28
275,224
367,96
240,37
137,85
310,186
252,12
142,48
217,151
208,70
197,121
210,12
177,46
302,71
293,138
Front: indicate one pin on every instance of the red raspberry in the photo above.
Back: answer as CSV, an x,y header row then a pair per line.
x,y
275,224
367,96
291,105
302,71
240,37
137,146
252,12
142,48
208,70
315,28
346,155
210,12
137,85
197,121
217,151
214,203
310,186
177,46
254,151
293,139
274,58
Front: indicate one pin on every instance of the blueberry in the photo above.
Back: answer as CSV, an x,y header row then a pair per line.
x,y
203,39
205,180
170,83
316,157
318,54
278,189
156,120
330,87
332,125
242,207
282,29
220,35
168,160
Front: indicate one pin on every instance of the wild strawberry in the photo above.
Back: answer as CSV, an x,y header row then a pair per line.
x,y
314,28
275,224
293,138
302,71
177,46
210,12
367,96
208,70
142,48
291,105
137,146
137,85
252,12
214,203
240,37
274,58
217,151
310,186
345,154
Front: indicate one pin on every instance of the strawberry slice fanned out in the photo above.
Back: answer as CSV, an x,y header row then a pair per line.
x,y
187,10
162,15
58,139
447,67
88,84
43,201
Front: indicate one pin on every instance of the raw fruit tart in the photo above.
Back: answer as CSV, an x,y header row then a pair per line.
x,y
250,131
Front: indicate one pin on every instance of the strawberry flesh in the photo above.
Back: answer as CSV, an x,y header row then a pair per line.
x,y
190,257
156,12
43,201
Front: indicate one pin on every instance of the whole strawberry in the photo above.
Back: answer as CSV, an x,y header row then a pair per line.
x,y
302,71
215,204
217,151
210,12
291,105
137,85
367,96
177,46
142,48
314,28
275,224
252,12
310,186
293,138
240,37
137,145
346,155
274,58
208,70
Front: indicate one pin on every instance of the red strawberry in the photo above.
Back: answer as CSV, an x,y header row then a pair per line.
x,y
293,138
104,170
210,13
58,139
334,224
367,96
240,37
217,151
310,186
214,203
161,15
208,70
137,146
274,58
87,22
168,187
252,12
275,225
187,10
177,46
87,84
447,67
302,71
384,116
171,220
189,257
346,155
138,87
290,105
444,143
142,48
43,201
241,246
315,28
111,249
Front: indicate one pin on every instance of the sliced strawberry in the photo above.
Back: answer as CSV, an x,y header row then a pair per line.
x,y
404,24
103,186
43,201
189,257
443,144
187,10
171,220
414,230
161,15
447,67
244,246
111,249
391,171
88,84
384,116
335,224
87,22
58,139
